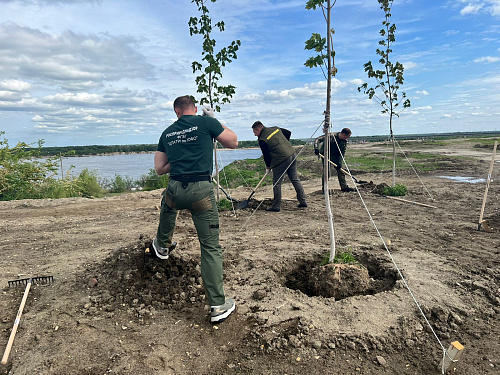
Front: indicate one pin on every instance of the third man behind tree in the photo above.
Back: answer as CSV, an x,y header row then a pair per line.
x,y
279,155
338,145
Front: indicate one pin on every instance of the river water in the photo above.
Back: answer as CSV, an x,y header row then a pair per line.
x,y
137,165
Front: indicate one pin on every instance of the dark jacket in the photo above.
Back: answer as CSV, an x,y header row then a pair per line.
x,y
337,147
275,145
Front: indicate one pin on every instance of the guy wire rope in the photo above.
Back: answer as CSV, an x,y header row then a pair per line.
x,y
245,183
414,170
258,206
225,179
445,352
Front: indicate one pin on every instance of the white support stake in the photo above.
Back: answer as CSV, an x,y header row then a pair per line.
x,y
487,186
452,355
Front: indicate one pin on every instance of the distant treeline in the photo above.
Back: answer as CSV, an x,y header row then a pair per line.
x,y
407,137
112,149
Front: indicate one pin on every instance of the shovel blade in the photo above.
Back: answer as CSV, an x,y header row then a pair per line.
x,y
242,205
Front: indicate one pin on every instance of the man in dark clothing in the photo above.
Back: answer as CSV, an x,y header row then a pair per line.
x,y
185,151
338,145
279,155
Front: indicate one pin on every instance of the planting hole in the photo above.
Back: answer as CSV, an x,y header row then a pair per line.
x,y
373,274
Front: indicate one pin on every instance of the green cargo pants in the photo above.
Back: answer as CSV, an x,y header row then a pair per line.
x,y
199,199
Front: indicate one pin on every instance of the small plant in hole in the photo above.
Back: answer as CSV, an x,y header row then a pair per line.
x,y
344,257
395,191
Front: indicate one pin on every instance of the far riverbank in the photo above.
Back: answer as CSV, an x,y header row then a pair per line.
x,y
135,165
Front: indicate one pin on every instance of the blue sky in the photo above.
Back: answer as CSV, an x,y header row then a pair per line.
x,y
107,71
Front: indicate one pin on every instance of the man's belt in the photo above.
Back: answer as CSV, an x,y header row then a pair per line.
x,y
187,178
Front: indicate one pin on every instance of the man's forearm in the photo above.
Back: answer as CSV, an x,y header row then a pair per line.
x,y
163,169
162,165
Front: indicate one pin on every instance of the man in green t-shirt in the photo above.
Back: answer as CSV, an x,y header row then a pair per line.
x,y
185,150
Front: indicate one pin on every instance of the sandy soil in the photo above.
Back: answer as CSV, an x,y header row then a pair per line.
x,y
146,316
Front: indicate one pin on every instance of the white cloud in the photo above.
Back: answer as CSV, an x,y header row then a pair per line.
x,y
487,59
423,92
356,82
471,9
494,8
53,2
70,59
11,96
410,65
15,85
481,6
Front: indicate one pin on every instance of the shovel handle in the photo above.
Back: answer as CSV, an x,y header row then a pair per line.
x,y
16,324
260,182
342,169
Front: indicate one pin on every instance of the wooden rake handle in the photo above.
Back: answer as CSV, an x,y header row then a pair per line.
x,y
16,324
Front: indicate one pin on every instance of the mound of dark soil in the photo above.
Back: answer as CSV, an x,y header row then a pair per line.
x,y
339,280
134,278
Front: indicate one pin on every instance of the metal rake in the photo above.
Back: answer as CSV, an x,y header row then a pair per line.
x,y
40,280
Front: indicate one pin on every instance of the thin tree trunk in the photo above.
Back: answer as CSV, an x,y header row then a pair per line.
x,y
326,131
390,97
215,142
393,157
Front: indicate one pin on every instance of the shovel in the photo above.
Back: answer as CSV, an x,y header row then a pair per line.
x,y
345,172
229,198
244,204
27,282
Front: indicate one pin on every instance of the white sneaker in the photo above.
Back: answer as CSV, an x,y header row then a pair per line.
x,y
162,252
219,313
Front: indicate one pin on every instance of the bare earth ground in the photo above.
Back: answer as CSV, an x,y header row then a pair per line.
x,y
149,317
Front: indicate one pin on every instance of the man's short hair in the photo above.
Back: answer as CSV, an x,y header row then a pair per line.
x,y
183,102
346,131
257,124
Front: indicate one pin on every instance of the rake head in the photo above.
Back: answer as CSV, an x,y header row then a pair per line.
x,y
40,280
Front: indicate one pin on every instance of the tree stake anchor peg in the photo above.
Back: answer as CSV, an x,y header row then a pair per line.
x,y
485,226
452,355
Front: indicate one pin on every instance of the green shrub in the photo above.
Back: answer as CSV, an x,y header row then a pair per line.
x,y
87,184
395,191
54,188
120,184
152,181
22,173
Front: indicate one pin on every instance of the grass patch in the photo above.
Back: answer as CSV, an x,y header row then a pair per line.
x,y
343,256
224,205
380,162
395,191
244,172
